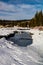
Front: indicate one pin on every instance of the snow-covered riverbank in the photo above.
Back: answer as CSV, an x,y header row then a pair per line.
x,y
16,55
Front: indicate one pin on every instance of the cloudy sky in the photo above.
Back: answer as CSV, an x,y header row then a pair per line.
x,y
19,9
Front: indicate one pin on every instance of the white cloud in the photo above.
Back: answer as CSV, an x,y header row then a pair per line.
x,y
7,7
26,6
19,11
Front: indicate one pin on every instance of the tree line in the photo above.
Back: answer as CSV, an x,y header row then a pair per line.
x,y
37,20
11,23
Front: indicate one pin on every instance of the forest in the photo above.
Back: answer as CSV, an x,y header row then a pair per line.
x,y
37,20
11,23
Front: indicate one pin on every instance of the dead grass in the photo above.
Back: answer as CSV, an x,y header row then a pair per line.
x,y
1,26
38,27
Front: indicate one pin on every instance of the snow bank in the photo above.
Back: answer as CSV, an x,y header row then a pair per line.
x,y
38,41
7,31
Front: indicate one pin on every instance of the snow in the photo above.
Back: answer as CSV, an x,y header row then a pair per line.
x,y
7,31
15,55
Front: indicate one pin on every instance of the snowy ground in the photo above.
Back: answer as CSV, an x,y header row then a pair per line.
x,y
16,55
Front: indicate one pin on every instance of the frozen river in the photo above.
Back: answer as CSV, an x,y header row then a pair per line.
x,y
16,55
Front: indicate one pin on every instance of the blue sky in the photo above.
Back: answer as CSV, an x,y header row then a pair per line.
x,y
19,9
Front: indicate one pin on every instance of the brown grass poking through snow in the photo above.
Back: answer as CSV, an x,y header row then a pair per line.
x,y
38,27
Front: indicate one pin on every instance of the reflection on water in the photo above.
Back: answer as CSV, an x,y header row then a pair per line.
x,y
22,39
